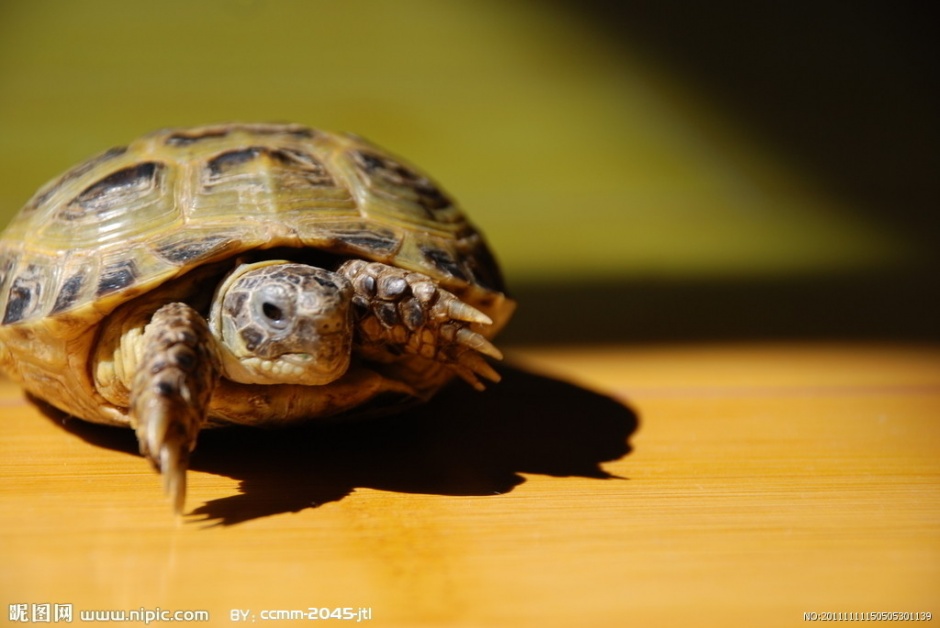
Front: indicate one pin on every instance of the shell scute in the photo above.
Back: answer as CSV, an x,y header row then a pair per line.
x,y
124,206
120,274
272,179
381,243
392,190
114,192
135,217
184,248
69,292
396,182
46,192
25,293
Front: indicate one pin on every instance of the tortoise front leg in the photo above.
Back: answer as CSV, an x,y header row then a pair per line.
x,y
171,390
402,312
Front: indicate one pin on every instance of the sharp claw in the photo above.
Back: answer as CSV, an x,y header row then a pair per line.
x,y
460,311
477,342
169,456
173,463
155,435
488,372
479,366
168,450
468,376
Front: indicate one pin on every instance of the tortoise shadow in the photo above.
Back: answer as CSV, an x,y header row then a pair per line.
x,y
460,443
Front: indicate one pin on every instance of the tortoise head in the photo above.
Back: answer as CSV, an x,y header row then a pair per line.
x,y
283,323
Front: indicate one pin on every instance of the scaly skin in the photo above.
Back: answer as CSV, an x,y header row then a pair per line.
x,y
171,391
402,312
398,313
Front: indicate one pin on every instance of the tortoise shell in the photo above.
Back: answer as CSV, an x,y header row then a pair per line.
x,y
136,219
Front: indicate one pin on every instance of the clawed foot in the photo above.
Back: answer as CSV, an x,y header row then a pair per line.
x,y
406,312
170,393
169,454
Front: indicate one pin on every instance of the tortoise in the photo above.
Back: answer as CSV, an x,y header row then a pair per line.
x,y
243,274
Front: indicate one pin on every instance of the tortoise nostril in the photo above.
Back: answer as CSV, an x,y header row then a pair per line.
x,y
272,312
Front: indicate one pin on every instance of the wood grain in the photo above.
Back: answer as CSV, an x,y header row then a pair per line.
x,y
715,485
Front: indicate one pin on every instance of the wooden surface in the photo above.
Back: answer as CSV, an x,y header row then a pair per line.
x,y
723,485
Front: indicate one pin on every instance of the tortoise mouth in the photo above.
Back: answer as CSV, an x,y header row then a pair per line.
x,y
294,368
327,356
297,358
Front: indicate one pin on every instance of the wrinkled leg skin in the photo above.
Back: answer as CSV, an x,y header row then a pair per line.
x,y
403,312
171,391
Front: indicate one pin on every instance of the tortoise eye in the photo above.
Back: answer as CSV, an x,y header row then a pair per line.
x,y
274,306
272,312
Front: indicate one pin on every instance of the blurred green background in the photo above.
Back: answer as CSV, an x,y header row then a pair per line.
x,y
645,171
